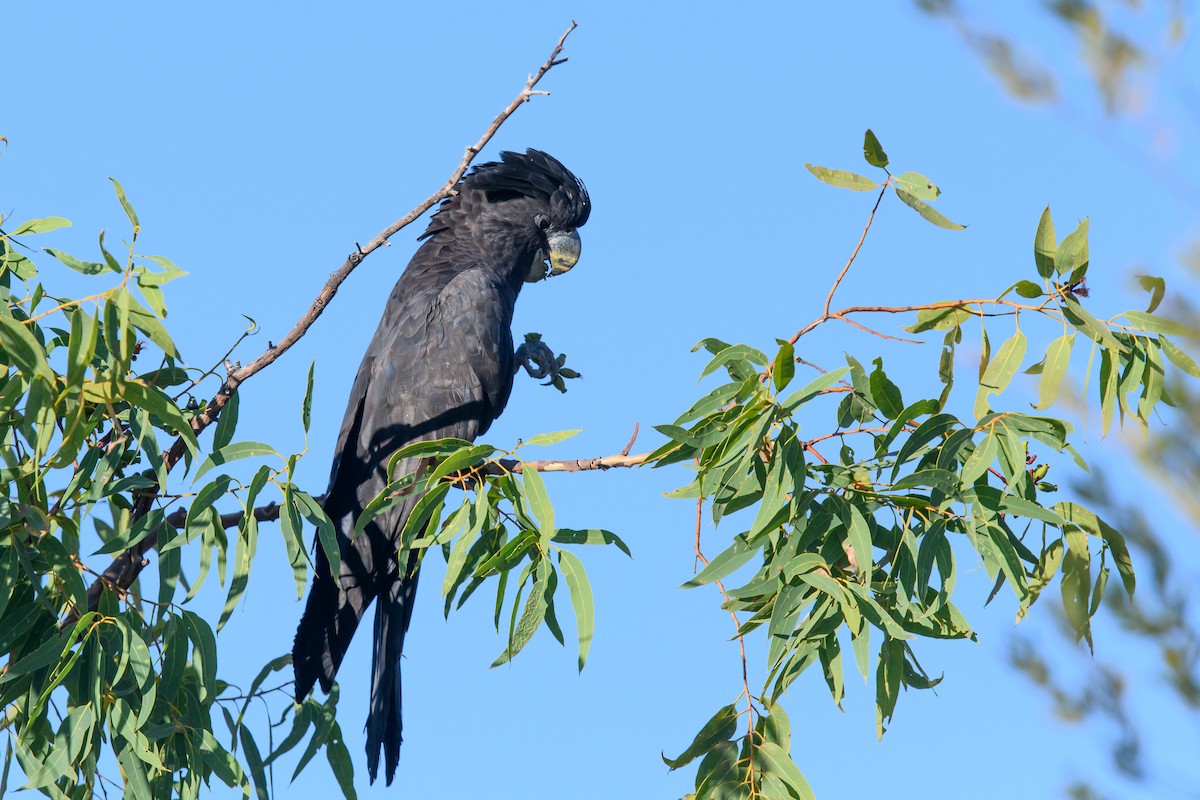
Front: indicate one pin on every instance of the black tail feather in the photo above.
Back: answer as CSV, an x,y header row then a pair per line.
x,y
330,618
384,721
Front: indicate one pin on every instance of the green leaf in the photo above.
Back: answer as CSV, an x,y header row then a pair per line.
x,y
81,346
784,365
1178,357
108,257
873,150
861,641
777,761
129,212
590,536
40,225
775,500
927,431
160,405
720,775
887,682
1058,354
508,555
170,272
884,393
711,344
254,762
227,422
1045,245
247,546
134,770
814,388
340,762
1029,509
306,405
1156,324
1088,521
717,398
943,318
775,727
733,356
85,267
301,722
726,562
1077,584
1071,259
940,479
1093,328
543,439
581,600
1028,289
23,349
531,616
538,500
1109,370
52,650
842,179
927,211
980,459
423,449
860,540
464,545
312,511
1156,286
917,185
198,520
223,764
718,729
1000,372
235,452
174,658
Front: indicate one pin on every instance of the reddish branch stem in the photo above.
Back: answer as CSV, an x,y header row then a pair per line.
x,y
737,624
866,228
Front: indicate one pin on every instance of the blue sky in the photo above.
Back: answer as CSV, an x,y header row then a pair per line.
x,y
260,142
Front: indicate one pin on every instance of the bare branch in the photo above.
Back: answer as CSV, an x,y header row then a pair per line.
x,y
579,465
270,512
125,568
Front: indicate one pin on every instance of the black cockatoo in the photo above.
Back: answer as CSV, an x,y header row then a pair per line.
x,y
440,365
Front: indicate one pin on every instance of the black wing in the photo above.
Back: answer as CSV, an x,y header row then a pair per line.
x,y
440,365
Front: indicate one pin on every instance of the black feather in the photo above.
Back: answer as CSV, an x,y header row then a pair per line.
x,y
440,365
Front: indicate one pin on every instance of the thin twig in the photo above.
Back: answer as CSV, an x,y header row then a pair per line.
x,y
737,624
872,331
866,228
632,439
965,305
125,568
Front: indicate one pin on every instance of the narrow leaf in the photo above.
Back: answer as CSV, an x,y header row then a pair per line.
x,y
125,204
581,600
1045,245
842,179
927,211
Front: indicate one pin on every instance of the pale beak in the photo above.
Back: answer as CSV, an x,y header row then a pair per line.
x,y
564,252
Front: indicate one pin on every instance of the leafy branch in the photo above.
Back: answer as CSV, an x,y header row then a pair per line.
x,y
870,543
